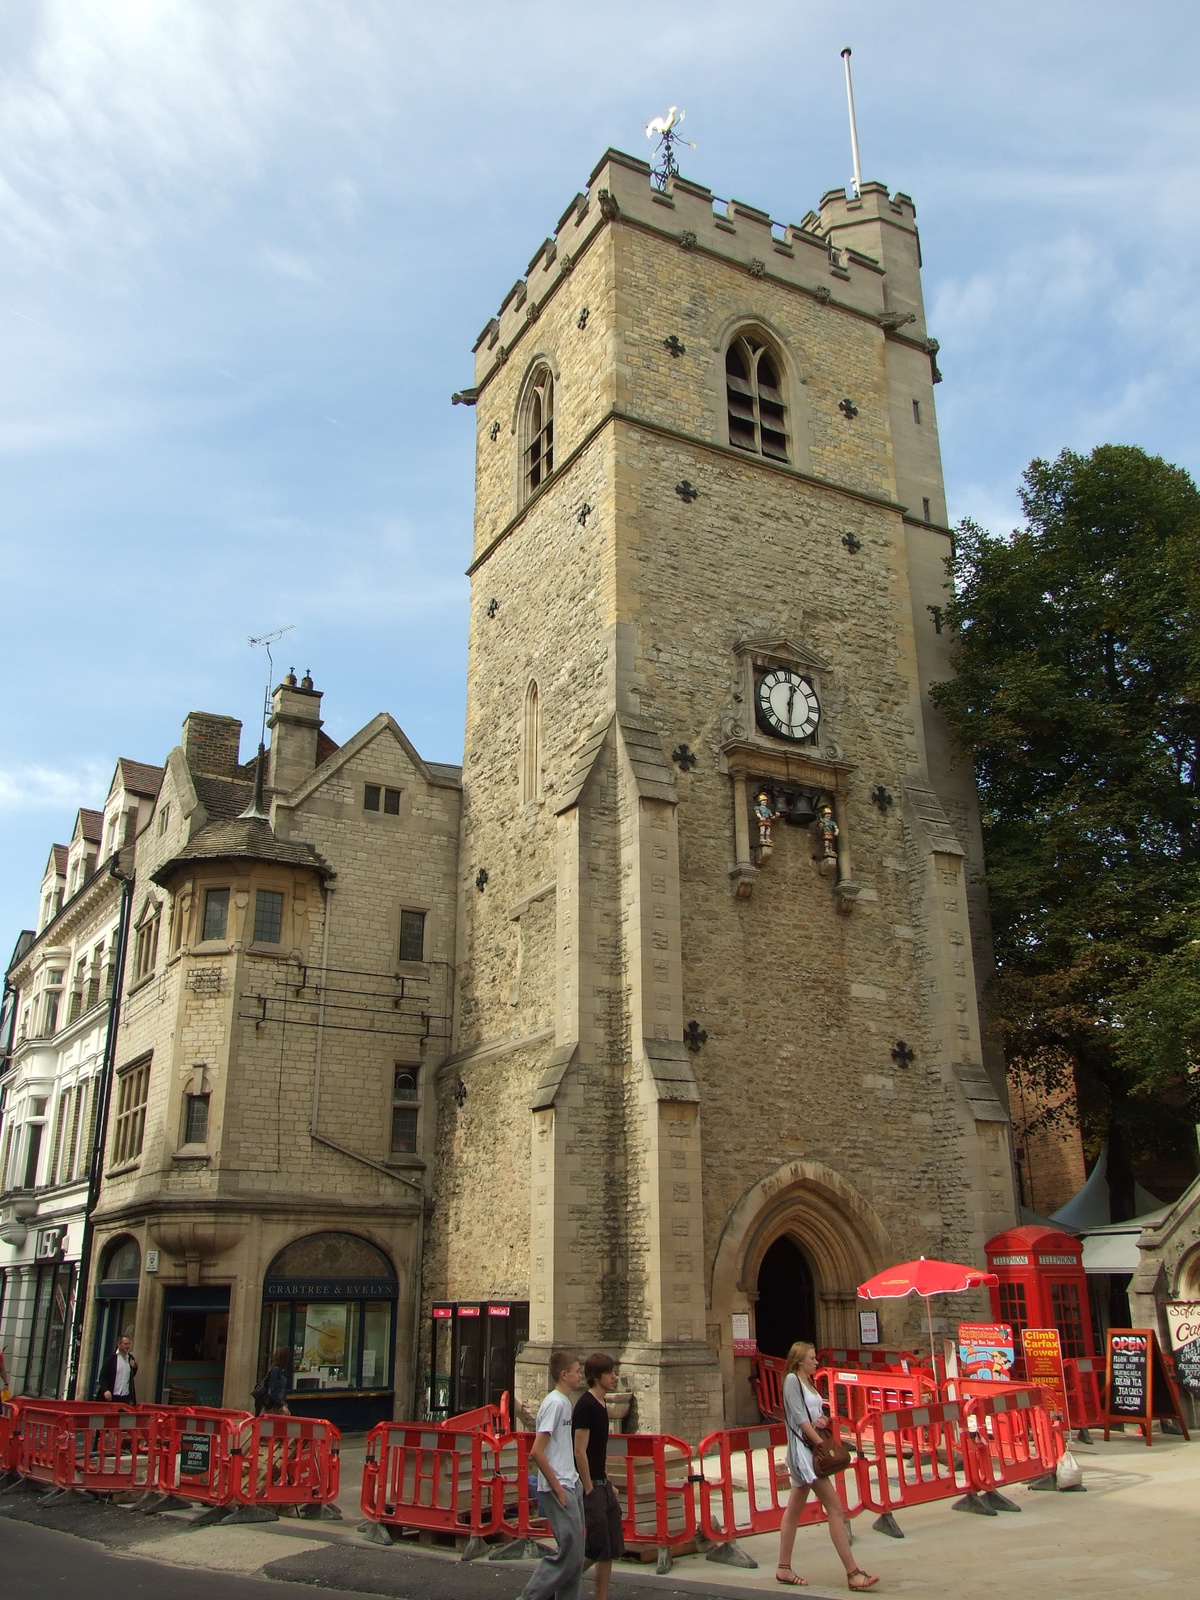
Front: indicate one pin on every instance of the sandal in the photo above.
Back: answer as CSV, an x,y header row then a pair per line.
x,y
791,1581
859,1588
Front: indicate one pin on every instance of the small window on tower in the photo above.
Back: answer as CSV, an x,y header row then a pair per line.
x,y
371,793
917,412
405,1109
537,461
391,802
925,509
754,397
412,936
195,1121
216,913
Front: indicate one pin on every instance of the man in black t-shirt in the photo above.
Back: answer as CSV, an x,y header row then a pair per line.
x,y
601,1508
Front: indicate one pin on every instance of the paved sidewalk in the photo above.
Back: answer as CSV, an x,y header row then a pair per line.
x,y
1134,1528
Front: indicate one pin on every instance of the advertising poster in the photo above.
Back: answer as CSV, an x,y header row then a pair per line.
x,y
1044,1366
868,1327
985,1351
1183,1324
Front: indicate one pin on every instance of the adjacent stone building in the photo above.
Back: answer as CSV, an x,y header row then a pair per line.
x,y
59,990
717,1053
287,1000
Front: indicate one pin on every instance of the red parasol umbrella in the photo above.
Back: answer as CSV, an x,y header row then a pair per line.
x,y
925,1278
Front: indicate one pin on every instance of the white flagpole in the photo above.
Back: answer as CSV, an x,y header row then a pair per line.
x,y
853,124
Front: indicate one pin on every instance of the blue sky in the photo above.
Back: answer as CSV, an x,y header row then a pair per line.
x,y
247,248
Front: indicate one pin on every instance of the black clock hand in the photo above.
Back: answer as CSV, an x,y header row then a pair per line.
x,y
791,705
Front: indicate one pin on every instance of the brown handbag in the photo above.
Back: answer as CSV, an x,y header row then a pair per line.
x,y
830,1457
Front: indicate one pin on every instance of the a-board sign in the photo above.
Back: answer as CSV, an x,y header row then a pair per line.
x,y
985,1351
1183,1325
1137,1387
743,1344
868,1327
195,1454
1042,1349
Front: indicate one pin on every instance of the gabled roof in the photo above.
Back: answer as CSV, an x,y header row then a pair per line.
x,y
90,825
437,773
223,797
139,777
56,862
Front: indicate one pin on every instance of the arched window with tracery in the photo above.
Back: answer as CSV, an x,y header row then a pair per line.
x,y
754,396
537,432
531,747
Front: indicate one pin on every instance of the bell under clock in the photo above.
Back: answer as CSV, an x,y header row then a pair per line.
x,y
786,704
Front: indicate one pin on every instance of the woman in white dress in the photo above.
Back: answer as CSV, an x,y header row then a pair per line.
x,y
804,1413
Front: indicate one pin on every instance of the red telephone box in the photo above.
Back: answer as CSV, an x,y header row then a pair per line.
x,y
1042,1285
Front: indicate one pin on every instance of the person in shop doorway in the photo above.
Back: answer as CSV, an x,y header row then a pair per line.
x,y
807,1425
604,1541
560,1493
270,1396
117,1374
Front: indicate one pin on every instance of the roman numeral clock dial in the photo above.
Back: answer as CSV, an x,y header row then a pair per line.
x,y
787,705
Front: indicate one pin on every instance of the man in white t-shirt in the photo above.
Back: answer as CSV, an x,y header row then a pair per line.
x,y
560,1493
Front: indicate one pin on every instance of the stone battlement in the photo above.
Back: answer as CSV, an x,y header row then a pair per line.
x,y
824,255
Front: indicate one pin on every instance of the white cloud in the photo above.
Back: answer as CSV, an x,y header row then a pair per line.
x,y
40,788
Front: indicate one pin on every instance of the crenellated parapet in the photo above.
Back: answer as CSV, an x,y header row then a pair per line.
x,y
860,254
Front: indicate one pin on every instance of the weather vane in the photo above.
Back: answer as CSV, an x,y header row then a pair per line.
x,y
664,129
267,640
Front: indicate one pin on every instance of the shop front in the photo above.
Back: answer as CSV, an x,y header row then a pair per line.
x,y
331,1299
195,1335
117,1302
474,1348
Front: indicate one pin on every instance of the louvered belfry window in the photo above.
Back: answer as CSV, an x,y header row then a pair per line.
x,y
754,394
539,431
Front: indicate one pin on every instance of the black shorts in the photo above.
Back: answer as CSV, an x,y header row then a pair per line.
x,y
602,1522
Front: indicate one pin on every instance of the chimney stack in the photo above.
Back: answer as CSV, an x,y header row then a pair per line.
x,y
211,744
295,723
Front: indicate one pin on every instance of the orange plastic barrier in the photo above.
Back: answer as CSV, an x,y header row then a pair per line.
x,y
850,1392
194,1453
286,1461
1085,1390
106,1449
652,1474
485,1419
910,1456
744,1484
871,1359
1010,1438
422,1477
766,1376
515,1489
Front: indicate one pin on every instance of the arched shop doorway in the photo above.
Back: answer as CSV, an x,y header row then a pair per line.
x,y
117,1294
331,1297
786,1309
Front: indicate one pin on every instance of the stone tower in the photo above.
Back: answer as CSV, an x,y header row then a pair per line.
x,y
709,540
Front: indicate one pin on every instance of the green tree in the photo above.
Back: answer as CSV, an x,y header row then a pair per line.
x,y
1077,696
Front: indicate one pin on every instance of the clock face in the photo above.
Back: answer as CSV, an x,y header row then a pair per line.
x,y
787,705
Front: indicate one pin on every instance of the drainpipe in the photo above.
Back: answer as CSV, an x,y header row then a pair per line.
x,y
100,1134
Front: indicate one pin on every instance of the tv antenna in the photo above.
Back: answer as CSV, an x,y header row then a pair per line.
x,y
853,124
668,139
266,640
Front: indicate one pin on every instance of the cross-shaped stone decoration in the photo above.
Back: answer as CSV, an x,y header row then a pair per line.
x,y
581,320
684,758
675,347
481,878
460,1094
902,1054
853,544
585,512
848,409
881,798
494,432
694,1036
686,492
493,607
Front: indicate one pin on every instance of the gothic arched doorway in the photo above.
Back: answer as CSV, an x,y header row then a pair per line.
x,y
787,1302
